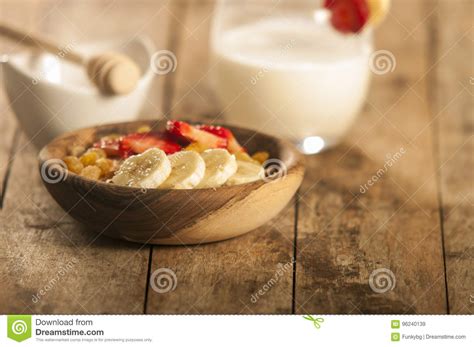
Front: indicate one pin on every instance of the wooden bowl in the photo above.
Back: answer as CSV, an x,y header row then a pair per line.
x,y
166,216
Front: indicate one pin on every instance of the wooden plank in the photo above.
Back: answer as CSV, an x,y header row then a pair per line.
x,y
51,264
8,141
346,232
23,14
249,274
453,117
43,251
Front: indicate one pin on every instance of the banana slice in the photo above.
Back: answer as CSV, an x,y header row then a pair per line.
x,y
146,170
187,170
378,9
246,172
220,165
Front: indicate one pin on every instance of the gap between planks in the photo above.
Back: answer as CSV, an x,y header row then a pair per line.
x,y
148,275
193,56
432,85
175,34
295,250
11,157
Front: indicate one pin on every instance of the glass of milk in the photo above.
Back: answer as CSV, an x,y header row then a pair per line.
x,y
279,67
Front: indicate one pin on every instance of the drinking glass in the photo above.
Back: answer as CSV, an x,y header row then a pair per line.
x,y
280,67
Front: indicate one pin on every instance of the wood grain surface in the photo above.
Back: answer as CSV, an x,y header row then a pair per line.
x,y
346,232
39,242
414,223
453,123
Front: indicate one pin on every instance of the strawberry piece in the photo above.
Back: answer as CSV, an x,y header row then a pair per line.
x,y
140,142
183,142
216,130
348,15
110,146
194,134
232,144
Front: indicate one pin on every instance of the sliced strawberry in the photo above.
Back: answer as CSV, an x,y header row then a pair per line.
x,y
110,146
348,15
182,141
232,144
140,142
194,134
216,130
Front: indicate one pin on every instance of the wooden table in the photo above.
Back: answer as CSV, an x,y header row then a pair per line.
x,y
415,221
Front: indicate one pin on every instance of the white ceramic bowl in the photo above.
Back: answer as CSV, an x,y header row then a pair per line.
x,y
50,96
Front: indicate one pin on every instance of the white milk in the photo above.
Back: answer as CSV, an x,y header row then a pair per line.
x,y
294,77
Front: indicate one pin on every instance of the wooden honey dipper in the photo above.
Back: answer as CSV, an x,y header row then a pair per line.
x,y
113,73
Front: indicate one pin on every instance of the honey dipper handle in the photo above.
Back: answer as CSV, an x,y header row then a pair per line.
x,y
43,43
